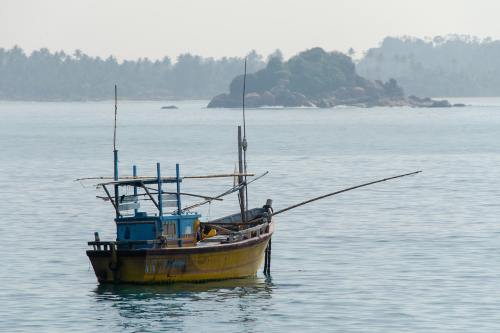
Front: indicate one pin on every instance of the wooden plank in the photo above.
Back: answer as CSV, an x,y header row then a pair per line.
x,y
128,206
127,180
169,203
219,176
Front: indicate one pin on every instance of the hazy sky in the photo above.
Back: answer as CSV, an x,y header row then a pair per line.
x,y
155,28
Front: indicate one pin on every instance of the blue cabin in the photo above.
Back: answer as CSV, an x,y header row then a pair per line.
x,y
136,229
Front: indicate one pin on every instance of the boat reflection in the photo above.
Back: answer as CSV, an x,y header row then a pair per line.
x,y
185,306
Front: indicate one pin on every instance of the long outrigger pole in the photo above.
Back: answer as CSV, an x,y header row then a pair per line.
x,y
267,260
338,192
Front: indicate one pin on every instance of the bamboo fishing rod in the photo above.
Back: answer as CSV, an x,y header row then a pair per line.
x,y
342,191
227,175
338,192
267,261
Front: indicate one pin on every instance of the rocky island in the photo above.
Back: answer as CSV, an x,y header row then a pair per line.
x,y
316,78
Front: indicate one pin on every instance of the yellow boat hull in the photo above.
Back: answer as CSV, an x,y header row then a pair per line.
x,y
183,264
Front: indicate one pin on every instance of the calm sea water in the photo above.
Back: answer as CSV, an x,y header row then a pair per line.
x,y
419,254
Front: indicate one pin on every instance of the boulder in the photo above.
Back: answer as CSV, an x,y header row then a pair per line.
x,y
224,101
253,100
268,99
169,107
287,98
427,102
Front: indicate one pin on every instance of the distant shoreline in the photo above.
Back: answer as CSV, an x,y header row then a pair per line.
x,y
179,99
104,100
483,101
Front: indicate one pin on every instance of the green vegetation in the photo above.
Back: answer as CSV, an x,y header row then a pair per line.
x,y
313,73
311,78
43,75
316,72
453,65
442,66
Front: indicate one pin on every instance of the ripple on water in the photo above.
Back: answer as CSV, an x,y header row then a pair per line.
x,y
418,254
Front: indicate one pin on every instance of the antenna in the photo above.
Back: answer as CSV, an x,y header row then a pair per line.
x,y
116,110
244,89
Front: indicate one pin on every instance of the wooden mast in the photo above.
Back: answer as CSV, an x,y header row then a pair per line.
x,y
241,194
244,143
115,153
242,156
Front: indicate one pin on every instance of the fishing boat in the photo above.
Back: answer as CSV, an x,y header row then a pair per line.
x,y
167,242
163,247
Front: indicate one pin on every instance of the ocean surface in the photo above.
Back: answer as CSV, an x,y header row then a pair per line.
x,y
417,254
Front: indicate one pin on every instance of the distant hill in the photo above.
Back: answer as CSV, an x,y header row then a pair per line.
x,y
314,78
443,66
46,76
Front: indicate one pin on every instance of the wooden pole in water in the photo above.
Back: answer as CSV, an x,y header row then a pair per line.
x,y
269,259
240,178
266,259
267,264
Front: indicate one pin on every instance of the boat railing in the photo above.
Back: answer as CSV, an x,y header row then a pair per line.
x,y
107,246
235,236
254,231
230,237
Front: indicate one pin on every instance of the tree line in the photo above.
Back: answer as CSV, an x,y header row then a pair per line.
x,y
44,75
453,65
